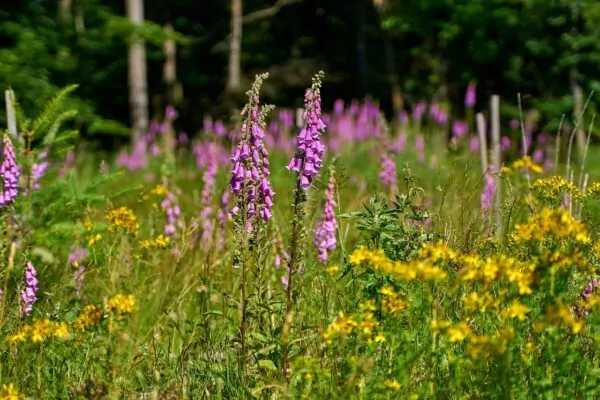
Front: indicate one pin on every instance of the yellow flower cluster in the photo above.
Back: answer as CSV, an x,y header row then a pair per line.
x,y
492,269
122,304
123,218
559,314
416,270
392,384
160,242
392,302
41,330
476,345
593,190
435,252
551,188
558,223
516,310
90,316
92,237
332,270
364,323
522,163
159,190
474,302
8,392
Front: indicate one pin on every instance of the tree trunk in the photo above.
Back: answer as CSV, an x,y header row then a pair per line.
x,y
173,89
64,10
578,110
235,47
79,18
138,80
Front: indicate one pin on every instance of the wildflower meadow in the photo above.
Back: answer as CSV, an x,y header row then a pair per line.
x,y
330,253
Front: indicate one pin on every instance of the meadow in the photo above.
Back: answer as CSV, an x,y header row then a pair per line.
x,y
343,256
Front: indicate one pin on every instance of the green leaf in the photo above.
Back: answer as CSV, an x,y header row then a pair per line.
x,y
267,364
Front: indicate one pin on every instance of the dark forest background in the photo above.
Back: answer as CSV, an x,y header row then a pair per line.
x,y
397,52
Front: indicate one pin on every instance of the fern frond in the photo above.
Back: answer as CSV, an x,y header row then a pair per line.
x,y
50,136
51,109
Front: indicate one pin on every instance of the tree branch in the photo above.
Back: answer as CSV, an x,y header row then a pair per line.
x,y
267,12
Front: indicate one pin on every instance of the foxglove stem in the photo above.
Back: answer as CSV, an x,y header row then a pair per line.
x,y
252,194
307,163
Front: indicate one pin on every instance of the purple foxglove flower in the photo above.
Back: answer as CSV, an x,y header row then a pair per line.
x,y
10,172
505,143
325,231
308,158
487,196
419,110
171,113
538,156
460,129
474,143
470,95
208,124
31,287
388,175
249,181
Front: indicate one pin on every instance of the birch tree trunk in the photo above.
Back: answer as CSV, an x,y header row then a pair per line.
x,y
64,10
173,88
577,110
235,47
138,80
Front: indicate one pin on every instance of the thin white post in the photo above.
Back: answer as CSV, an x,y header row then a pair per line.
x,y
482,142
495,114
11,116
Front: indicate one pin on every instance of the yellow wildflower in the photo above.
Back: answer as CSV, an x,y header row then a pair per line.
x,y
525,162
555,188
459,332
516,310
123,218
332,270
392,302
392,384
90,315
159,190
8,392
122,304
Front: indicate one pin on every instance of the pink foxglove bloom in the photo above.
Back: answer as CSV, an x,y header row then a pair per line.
x,y
250,173
206,220
308,159
420,147
470,95
325,231
28,296
388,175
419,110
459,129
10,172
171,113
505,143
487,196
